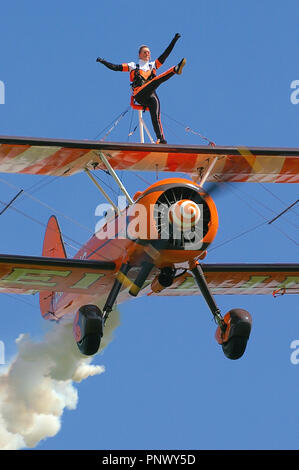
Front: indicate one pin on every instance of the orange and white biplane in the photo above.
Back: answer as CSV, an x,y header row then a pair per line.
x,y
154,246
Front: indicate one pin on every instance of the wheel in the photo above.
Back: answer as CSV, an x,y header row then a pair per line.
x,y
88,329
235,347
236,335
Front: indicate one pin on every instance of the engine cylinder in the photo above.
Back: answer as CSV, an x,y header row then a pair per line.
x,y
181,219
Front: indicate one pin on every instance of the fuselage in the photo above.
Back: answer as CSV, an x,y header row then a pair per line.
x,y
138,232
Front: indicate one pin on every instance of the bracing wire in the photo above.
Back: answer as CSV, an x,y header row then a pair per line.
x,y
68,240
276,197
266,221
17,297
130,126
190,130
239,235
258,202
112,125
47,206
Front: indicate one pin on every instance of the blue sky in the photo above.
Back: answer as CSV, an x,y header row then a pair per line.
x,y
166,383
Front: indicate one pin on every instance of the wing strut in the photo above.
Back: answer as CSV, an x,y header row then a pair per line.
x,y
102,191
115,177
208,171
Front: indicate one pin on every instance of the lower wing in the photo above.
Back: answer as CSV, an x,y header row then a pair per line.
x,y
236,279
28,275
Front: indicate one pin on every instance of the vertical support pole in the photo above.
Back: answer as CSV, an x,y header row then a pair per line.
x,y
141,126
148,132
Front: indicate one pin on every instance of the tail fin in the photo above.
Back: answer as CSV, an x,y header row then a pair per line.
x,y
53,247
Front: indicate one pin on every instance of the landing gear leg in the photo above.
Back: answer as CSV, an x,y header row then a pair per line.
x,y
234,329
145,270
115,290
208,296
89,321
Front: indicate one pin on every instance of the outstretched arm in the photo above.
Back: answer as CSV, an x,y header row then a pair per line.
x,y
161,59
116,68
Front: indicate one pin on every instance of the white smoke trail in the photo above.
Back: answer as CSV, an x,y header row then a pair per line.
x,y
37,385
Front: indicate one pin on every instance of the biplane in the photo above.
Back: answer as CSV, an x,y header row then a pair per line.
x,y
156,244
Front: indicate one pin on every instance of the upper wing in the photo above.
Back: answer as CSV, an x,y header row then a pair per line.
x,y
236,279
67,157
31,274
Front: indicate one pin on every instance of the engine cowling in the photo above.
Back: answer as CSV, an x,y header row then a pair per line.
x,y
176,216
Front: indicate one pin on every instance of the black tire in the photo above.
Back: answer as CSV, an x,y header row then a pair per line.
x,y
92,329
235,347
89,345
240,330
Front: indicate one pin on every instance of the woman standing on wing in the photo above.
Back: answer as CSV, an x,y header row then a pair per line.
x,y
145,81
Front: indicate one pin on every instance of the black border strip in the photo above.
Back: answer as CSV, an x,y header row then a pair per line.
x,y
58,262
110,265
260,267
108,146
